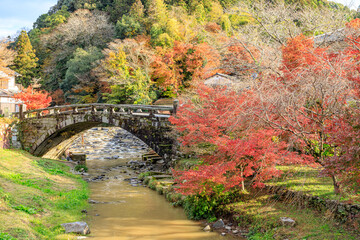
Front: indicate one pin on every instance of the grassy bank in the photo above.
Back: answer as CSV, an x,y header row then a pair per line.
x,y
310,181
260,212
36,196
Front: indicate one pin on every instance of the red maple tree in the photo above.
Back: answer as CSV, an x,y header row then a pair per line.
x,y
34,99
231,147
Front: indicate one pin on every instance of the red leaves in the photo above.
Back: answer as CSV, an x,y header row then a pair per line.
x,y
297,53
231,146
34,99
240,59
345,163
244,136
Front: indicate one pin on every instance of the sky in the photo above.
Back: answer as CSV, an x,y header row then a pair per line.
x,y
16,15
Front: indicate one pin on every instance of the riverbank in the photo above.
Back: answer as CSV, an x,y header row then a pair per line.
x,y
37,195
256,215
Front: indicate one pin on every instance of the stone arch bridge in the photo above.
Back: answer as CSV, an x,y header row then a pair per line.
x,y
41,130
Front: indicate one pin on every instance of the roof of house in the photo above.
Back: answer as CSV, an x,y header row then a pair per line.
x,y
7,72
6,93
220,75
330,37
235,83
219,79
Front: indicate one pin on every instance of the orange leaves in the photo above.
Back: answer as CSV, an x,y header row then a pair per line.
x,y
184,63
354,24
34,99
240,58
58,97
299,52
352,50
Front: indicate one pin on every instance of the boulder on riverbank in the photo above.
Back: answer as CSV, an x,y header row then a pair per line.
x,y
76,227
219,224
287,221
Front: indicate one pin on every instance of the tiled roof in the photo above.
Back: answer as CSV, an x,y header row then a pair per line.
x,y
6,93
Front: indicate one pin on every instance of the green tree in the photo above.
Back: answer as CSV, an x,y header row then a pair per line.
x,y
134,91
57,18
78,75
118,8
128,27
25,62
130,85
225,24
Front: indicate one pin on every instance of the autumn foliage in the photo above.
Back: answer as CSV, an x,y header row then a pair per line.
x,y
177,67
308,113
33,98
231,147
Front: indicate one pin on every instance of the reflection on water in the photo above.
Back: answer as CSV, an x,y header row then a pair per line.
x,y
127,212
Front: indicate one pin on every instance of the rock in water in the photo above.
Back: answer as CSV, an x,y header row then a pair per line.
x,y
207,228
287,221
219,224
76,227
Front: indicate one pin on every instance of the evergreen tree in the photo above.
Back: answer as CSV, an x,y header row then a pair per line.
x,y
25,62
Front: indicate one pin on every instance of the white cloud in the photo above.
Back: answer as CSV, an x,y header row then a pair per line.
x,y
353,4
19,14
10,26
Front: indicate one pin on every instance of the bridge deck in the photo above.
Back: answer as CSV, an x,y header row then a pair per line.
x,y
161,111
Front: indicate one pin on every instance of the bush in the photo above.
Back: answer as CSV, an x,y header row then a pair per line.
x,y
202,206
28,210
81,167
5,236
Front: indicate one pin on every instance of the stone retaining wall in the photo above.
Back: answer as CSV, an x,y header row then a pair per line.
x,y
5,133
342,212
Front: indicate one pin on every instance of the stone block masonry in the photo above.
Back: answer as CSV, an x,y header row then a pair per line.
x,y
42,130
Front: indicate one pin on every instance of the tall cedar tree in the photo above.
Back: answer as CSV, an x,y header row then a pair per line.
x,y
25,62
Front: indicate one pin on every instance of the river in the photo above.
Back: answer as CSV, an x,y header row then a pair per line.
x,y
121,210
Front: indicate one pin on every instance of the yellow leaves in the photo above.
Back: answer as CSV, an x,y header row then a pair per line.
x,y
6,55
216,11
173,27
116,65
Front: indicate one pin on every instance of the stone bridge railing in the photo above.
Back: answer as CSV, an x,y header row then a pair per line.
x,y
93,108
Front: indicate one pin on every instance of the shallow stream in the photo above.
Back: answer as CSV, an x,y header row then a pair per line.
x,y
124,210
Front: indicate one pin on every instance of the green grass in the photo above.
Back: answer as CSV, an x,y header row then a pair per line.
x,y
37,195
262,214
187,163
308,180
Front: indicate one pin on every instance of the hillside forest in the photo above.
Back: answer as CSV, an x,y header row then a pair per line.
x,y
298,98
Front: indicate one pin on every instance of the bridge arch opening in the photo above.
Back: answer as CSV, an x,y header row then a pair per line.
x,y
44,129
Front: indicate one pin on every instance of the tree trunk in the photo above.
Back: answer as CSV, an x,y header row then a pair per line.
x,y
242,181
336,185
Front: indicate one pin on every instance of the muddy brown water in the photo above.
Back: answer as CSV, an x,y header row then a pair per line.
x,y
127,212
